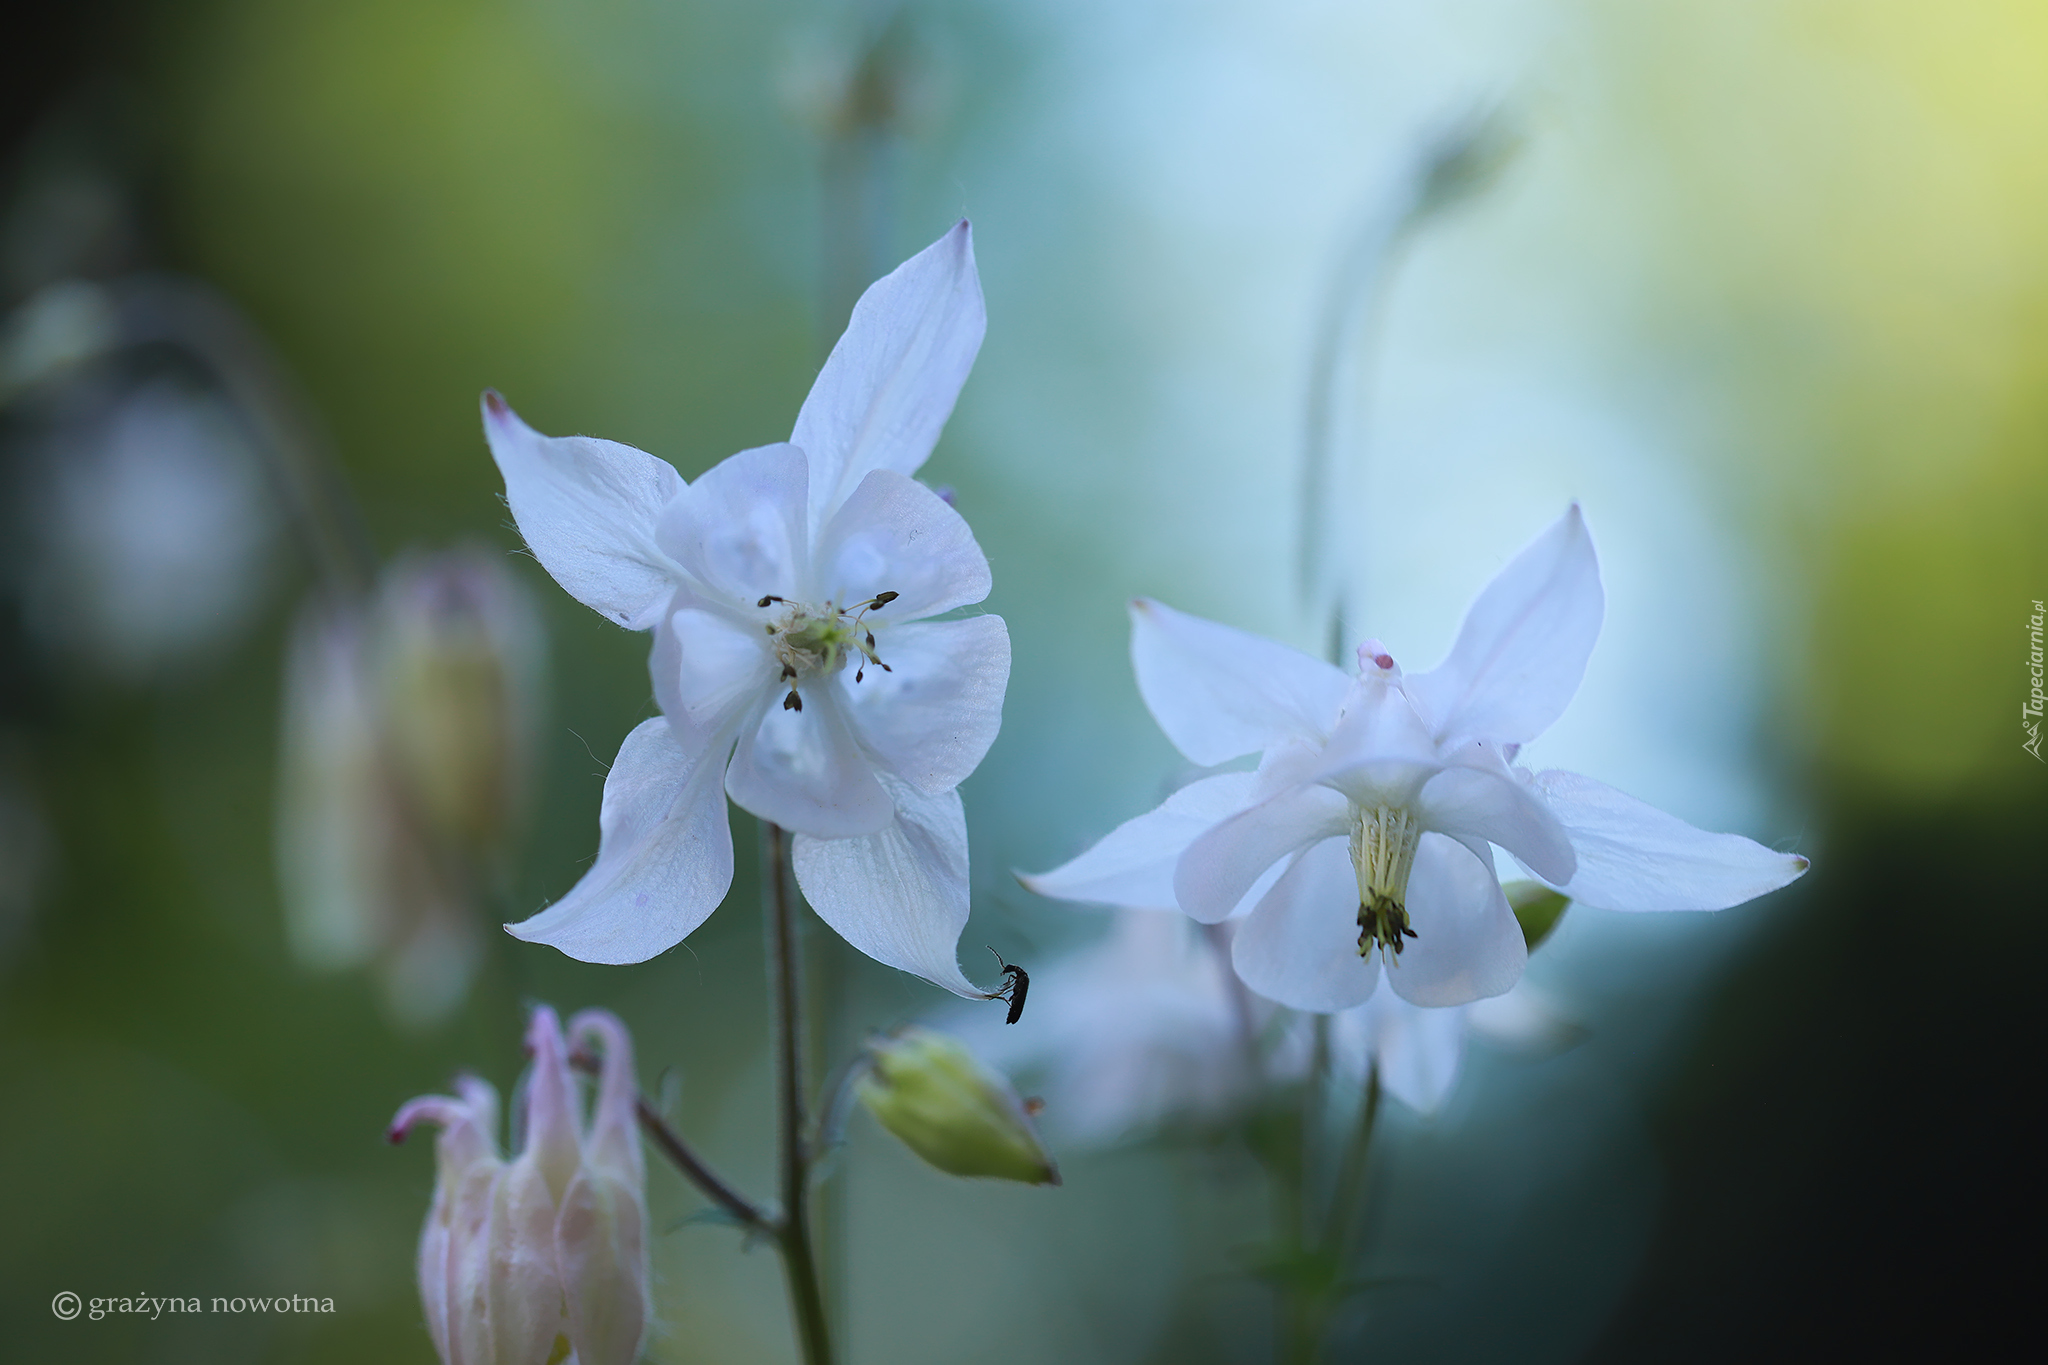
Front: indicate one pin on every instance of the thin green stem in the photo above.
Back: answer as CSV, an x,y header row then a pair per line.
x,y
1350,1200
695,1168
793,1235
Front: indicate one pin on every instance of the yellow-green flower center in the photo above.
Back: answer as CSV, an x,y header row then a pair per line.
x,y
1383,840
815,642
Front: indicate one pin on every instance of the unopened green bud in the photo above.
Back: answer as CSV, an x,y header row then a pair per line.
x,y
1536,907
930,1090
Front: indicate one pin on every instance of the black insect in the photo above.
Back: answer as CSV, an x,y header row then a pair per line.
x,y
1014,990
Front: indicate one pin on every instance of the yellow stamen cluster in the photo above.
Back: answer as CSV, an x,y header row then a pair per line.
x,y
813,642
1383,841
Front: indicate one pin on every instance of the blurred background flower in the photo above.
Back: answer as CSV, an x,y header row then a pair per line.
x,y
1762,287
408,748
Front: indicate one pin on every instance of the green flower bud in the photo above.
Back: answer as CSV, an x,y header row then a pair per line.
x,y
929,1090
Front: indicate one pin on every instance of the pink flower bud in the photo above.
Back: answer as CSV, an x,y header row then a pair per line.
x,y
521,1262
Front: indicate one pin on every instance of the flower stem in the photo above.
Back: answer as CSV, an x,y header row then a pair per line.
x,y
793,1235
1350,1200
696,1169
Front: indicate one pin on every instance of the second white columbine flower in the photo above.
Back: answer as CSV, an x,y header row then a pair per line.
x,y
1364,843
789,590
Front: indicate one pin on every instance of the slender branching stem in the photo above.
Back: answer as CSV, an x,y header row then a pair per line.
x,y
793,1235
695,1168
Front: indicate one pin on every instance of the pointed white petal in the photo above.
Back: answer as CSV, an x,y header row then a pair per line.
x,y
895,535
740,528
930,717
889,385
1420,1051
1133,864
1467,944
664,858
588,510
1300,946
1219,693
1633,856
707,667
1474,805
1524,645
803,771
1224,863
898,895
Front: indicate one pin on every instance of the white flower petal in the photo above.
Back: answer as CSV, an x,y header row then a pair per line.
x,y
1467,944
1633,856
895,535
1219,693
664,858
803,771
588,510
706,668
890,383
1133,865
900,894
1524,645
1380,753
1471,804
740,528
1300,946
1523,1019
932,715
1223,864
1419,1051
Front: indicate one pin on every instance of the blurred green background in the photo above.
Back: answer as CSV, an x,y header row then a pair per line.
x,y
1765,288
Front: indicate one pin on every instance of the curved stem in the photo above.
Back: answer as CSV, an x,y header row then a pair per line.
x,y
695,1168
793,1236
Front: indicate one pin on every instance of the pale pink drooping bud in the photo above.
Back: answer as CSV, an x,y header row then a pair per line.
x,y
523,1261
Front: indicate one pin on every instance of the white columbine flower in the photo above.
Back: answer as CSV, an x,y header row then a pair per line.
x,y
1366,836
787,590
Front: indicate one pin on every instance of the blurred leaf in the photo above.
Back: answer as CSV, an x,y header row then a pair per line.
x,y
1313,1272
1537,908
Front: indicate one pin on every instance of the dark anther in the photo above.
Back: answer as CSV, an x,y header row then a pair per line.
x,y
860,672
792,702
871,639
771,597
882,599
1384,923
787,672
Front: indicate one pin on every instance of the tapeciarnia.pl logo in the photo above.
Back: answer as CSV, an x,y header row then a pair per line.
x,y
2030,712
